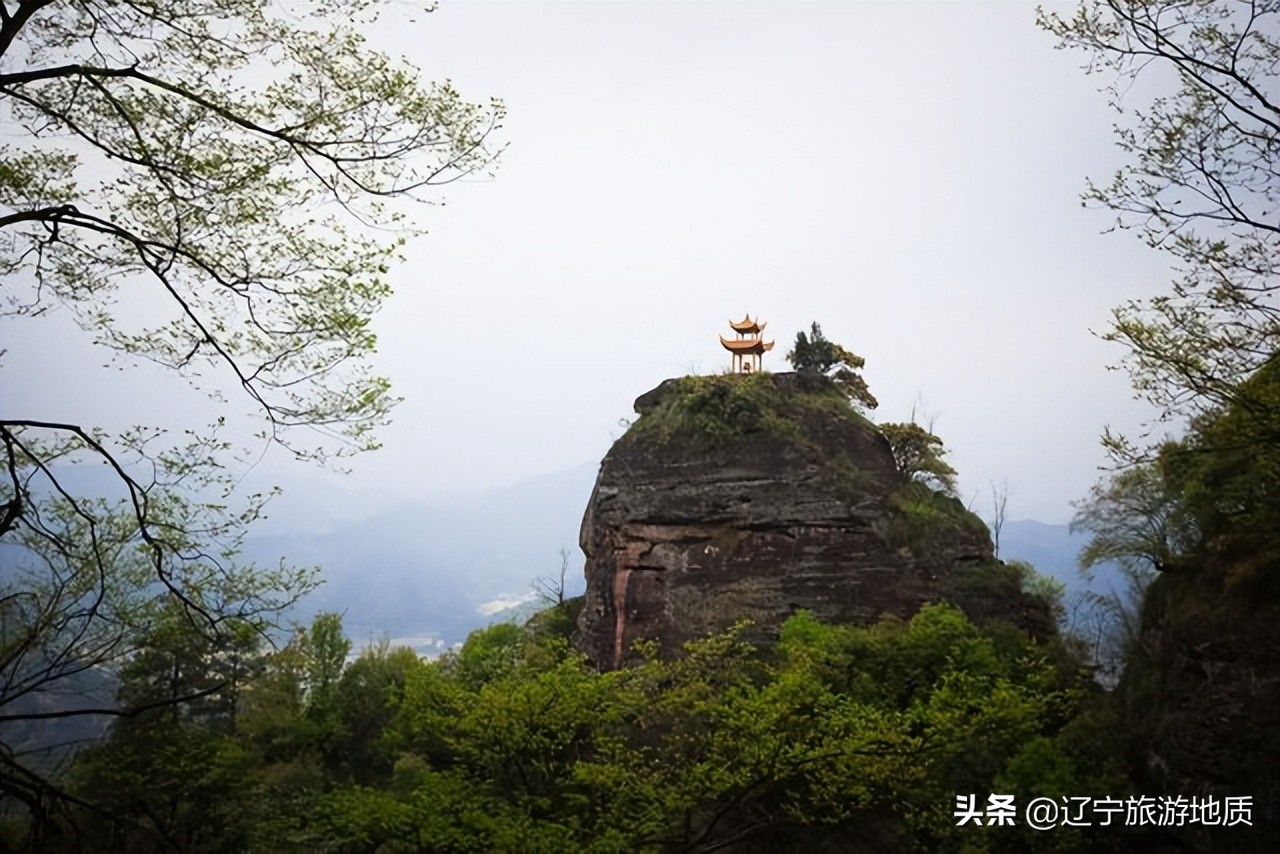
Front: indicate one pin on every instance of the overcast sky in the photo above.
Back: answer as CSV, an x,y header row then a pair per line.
x,y
907,175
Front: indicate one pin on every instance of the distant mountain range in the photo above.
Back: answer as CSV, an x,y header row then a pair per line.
x,y
425,576
1053,550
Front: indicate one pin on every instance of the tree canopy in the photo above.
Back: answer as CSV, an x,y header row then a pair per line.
x,y
513,742
813,352
220,156
207,186
1134,517
1201,183
1194,84
918,454
1217,489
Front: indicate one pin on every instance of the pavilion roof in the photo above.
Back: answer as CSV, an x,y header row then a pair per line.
x,y
747,325
746,345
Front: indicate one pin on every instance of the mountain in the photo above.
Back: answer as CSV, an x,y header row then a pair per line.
x,y
757,495
1052,550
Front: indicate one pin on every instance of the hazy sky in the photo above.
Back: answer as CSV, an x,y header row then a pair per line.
x,y
908,175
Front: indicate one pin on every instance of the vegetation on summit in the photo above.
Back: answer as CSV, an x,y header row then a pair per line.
x,y
719,407
815,353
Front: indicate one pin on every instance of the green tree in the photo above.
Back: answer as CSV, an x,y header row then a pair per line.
x,y
366,697
1136,519
814,352
1194,83
167,786
80,605
206,186
171,775
838,728
1202,183
186,674
918,455
519,744
1204,502
1227,468
326,649
1215,490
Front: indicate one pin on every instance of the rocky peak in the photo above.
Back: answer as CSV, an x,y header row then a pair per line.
x,y
755,495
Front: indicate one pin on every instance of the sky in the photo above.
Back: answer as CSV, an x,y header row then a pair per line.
x,y
907,175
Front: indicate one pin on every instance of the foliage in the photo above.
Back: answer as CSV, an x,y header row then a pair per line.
x,y
1133,518
1210,495
1200,636
722,407
1216,489
1226,470
170,785
557,621
80,598
815,353
1202,184
238,144
691,753
170,770
515,743
921,515
204,186
325,649
368,695
1044,587
918,454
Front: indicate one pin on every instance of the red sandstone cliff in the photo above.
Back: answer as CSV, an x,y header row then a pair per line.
x,y
757,495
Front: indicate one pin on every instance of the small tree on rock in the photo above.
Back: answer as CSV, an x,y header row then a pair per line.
x,y
918,454
814,352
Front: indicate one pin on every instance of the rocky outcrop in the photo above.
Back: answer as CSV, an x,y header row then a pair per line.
x,y
753,496
1199,694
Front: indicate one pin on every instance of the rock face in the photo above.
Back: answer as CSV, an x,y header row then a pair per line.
x,y
1200,695
753,496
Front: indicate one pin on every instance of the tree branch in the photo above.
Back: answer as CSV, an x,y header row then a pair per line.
x,y
11,24
118,713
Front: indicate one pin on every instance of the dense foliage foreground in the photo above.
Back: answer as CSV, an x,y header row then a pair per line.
x,y
844,737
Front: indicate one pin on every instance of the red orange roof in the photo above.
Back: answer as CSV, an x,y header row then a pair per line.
x,y
746,345
747,325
